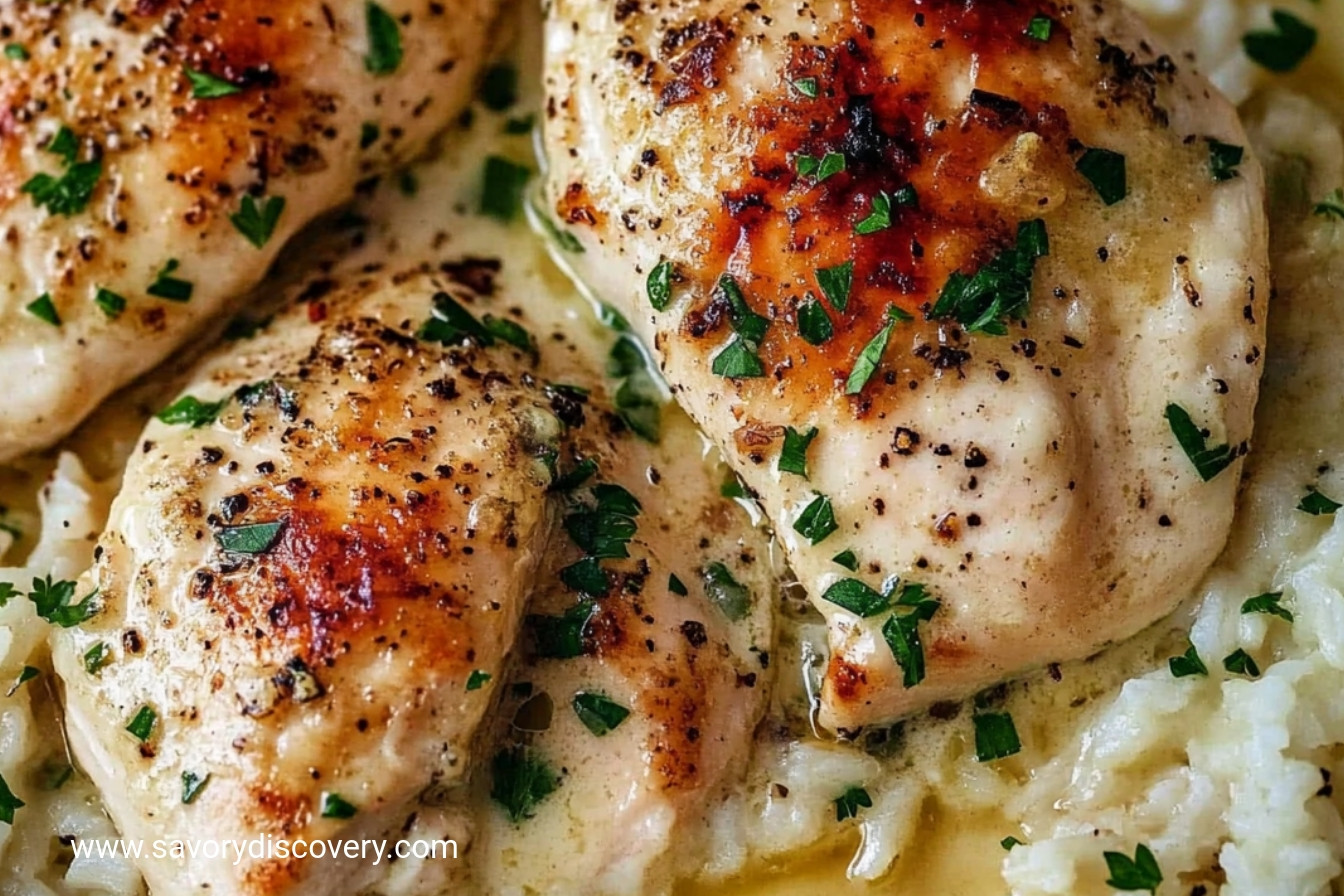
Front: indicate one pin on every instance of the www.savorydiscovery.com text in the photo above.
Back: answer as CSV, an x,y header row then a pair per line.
x,y
266,848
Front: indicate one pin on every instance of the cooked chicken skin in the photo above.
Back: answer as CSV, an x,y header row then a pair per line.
x,y
137,133
997,382
305,592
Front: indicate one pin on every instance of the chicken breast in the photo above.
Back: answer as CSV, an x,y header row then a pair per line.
x,y
972,296
318,555
158,153
645,724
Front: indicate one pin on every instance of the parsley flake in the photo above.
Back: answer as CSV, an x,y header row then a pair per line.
x,y
142,725
725,592
660,285
586,577
813,323
1282,47
205,86
44,309
848,804
96,657
452,324
385,50
1224,159
477,680
1138,873
369,132
856,597
1269,604
598,714
70,193
166,286
901,631
336,806
1105,170
676,585
1318,504
871,356
562,637
1239,662
1208,461
502,188
1331,206
805,86
995,736
26,674
53,602
828,165
192,785
1039,28
836,282
520,781
817,520
252,538
793,455
191,411
1009,842
9,803
879,218
499,87
16,52
1187,664
848,559
1000,290
109,302
256,221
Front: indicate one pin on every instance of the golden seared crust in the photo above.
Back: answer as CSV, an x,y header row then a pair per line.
x,y
1022,465
285,106
303,588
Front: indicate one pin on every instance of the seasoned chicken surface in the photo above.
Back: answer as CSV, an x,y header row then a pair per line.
x,y
158,153
313,564
972,295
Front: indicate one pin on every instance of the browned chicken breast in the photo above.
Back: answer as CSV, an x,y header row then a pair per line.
x,y
158,153
972,295
321,552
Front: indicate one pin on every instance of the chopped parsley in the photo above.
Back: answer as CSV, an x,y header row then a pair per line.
x,y
166,286
1224,159
793,456
660,285
586,577
1009,842
499,87
53,602
369,132
732,487
676,585
871,356
813,323
452,324
502,187
1208,461
901,631
1282,47
26,674
725,592
256,221
44,309
817,520
1331,206
848,804
109,302
1000,290
738,359
598,714
510,332
1239,662
995,736
879,218
205,86
561,637
639,398
16,52
810,166
1039,28
1105,170
336,806
477,680
1138,873
805,86
70,193
385,51
836,282
582,472
1270,604
847,559
96,657
142,725
8,802
191,411
252,538
604,531
1318,504
857,597
1187,664
192,785
519,781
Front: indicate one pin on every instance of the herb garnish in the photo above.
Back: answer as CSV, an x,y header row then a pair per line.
x,y
817,520
385,51
1105,170
205,86
520,781
1138,873
676,585
52,601
1268,604
639,399
1208,461
598,714
192,785
806,86
1187,663
995,736
142,725
586,577
369,132
1009,842
1039,28
813,323
1224,159
8,802
96,657
1332,206
809,166
871,355
848,559
660,285
738,359
452,324
256,222
879,218
499,87
561,637
836,282
336,806
847,804
16,52
44,309
793,455
26,674
1318,504
1282,47
901,631
166,286
856,597
190,410
1000,290
109,302
70,193
1239,662
477,679
252,538
502,187
726,592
